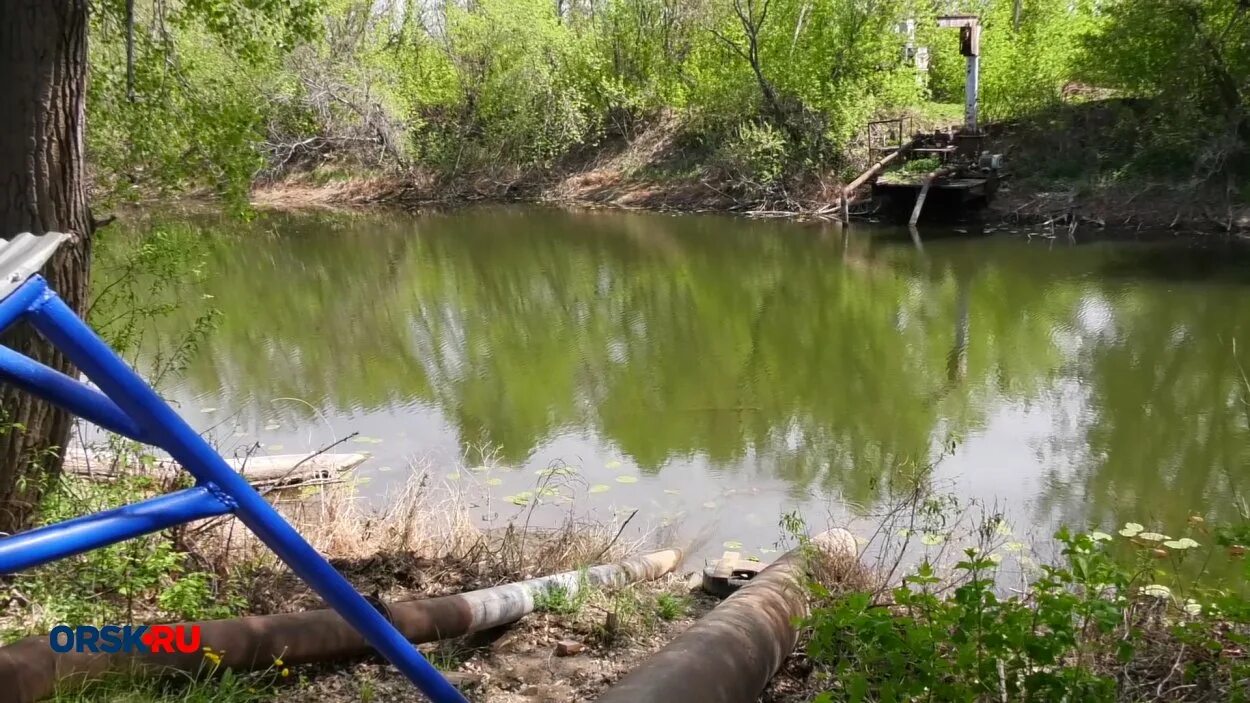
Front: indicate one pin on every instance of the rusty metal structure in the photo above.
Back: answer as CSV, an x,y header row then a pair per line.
x,y
964,174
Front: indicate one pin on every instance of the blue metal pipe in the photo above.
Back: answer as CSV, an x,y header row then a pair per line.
x,y
64,539
58,323
75,396
20,301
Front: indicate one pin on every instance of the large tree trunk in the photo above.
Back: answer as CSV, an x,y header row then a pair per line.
x,y
43,71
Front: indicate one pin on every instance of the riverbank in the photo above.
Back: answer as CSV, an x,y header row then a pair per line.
x,y
1062,173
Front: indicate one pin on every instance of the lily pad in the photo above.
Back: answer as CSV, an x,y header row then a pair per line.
x,y
1153,536
522,498
208,410
732,544
386,468
494,481
274,447
1100,536
627,479
365,439
1157,590
453,476
710,504
556,471
932,539
613,464
600,488
1131,529
672,491
273,426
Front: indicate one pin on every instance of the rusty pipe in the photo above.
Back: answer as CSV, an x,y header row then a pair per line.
x,y
730,655
30,670
877,168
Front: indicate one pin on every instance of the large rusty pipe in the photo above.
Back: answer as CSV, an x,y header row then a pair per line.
x,y
30,670
732,652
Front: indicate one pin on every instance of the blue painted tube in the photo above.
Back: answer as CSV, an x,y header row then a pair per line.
x,y
75,396
19,301
58,323
42,545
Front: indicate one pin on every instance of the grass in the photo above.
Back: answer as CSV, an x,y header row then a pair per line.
x,y
670,606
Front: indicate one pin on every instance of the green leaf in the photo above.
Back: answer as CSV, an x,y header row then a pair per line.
x,y
1131,529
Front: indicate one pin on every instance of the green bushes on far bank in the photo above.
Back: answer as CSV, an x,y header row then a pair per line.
x,y
509,91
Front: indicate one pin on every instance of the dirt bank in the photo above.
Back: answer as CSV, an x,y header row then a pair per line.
x,y
1061,174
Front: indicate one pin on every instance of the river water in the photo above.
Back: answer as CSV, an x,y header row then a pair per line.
x,y
715,373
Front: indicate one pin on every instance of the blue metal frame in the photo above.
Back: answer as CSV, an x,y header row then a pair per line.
x,y
127,405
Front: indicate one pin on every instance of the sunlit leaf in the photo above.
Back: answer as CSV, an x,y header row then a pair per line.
x,y
1131,529
1156,590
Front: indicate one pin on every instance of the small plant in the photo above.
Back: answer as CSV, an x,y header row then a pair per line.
x,y
669,606
559,599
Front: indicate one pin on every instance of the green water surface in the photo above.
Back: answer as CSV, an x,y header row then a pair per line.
x,y
715,372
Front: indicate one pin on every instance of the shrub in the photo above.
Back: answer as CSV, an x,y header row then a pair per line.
x,y
1094,627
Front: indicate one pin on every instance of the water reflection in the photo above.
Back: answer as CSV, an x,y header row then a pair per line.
x,y
726,358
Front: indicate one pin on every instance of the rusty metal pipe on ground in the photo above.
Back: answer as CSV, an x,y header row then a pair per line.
x,y
730,655
30,670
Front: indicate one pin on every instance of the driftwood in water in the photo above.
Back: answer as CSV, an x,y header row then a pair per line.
x,y
276,470
730,655
30,670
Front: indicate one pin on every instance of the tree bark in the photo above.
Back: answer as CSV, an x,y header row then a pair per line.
x,y
43,69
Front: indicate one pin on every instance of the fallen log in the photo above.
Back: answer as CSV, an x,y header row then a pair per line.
x,y
278,469
30,670
730,655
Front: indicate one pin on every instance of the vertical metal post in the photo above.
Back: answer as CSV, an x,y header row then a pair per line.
x,y
970,92
60,326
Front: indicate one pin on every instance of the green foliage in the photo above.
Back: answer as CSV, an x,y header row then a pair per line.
x,y
1086,629
110,584
1191,59
196,112
561,600
212,686
670,606
226,91
142,278
757,156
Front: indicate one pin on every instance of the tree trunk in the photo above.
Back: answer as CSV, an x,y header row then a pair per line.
x,y
43,69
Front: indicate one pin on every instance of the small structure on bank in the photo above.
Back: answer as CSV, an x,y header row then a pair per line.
x,y
950,169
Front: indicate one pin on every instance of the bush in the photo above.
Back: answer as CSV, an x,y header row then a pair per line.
x,y
756,157
1092,628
